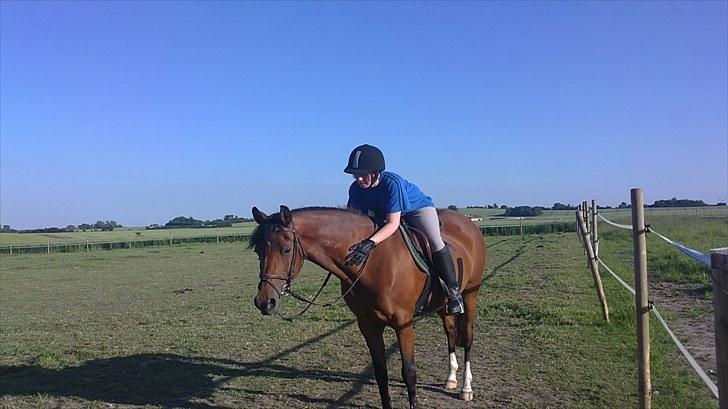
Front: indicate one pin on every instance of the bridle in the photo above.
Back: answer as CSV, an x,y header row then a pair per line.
x,y
288,277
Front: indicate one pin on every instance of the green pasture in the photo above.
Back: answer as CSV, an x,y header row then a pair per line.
x,y
175,326
490,218
663,260
120,235
496,217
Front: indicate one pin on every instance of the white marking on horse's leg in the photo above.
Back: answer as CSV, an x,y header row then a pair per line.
x,y
467,392
452,379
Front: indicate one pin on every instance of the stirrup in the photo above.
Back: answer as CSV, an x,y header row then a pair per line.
x,y
455,305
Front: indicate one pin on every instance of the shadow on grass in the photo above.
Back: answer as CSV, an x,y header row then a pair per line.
x,y
513,258
170,380
166,380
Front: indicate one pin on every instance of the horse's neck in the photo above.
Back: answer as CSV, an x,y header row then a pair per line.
x,y
327,236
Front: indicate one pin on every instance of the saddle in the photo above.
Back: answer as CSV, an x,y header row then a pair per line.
x,y
419,248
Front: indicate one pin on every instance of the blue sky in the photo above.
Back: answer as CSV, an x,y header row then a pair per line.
x,y
142,111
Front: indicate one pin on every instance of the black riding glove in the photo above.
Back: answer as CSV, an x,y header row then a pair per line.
x,y
359,252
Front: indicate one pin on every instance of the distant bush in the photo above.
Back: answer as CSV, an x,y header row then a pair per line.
x,y
182,222
523,211
675,202
561,206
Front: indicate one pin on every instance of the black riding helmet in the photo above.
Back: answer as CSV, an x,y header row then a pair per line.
x,y
365,158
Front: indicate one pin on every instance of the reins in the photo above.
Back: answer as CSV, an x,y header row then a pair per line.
x,y
286,289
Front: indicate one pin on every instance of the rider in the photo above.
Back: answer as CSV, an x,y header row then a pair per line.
x,y
391,197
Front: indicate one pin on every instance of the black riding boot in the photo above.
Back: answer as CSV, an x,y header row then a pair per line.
x,y
445,268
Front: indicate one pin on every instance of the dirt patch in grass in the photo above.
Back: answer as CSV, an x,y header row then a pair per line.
x,y
688,311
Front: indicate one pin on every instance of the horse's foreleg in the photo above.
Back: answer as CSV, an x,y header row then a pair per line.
x,y
448,323
466,393
406,338
466,338
373,336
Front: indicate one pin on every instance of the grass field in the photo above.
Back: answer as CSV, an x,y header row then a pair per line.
x,y
176,327
490,217
118,235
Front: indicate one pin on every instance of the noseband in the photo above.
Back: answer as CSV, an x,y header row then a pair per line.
x,y
288,277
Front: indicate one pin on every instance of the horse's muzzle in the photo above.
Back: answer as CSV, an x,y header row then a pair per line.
x,y
267,306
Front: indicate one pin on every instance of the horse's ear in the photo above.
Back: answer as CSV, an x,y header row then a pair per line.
x,y
259,216
286,217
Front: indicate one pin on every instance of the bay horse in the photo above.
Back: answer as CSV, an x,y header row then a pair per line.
x,y
383,292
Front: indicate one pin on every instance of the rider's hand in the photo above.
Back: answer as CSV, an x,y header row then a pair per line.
x,y
359,252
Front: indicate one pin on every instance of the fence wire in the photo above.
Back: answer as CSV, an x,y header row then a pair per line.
x,y
700,257
701,373
694,254
621,226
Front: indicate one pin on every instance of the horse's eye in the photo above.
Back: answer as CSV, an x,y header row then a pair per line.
x,y
286,250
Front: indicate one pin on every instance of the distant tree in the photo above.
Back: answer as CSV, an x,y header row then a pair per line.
x,y
720,204
675,202
106,225
523,211
504,207
6,227
623,205
218,223
71,228
85,226
453,208
182,222
561,206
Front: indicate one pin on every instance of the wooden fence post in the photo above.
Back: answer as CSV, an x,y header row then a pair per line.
x,y
592,262
578,228
594,234
639,248
520,219
719,263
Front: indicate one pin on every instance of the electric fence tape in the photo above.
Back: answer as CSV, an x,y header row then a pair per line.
x,y
621,226
694,254
691,360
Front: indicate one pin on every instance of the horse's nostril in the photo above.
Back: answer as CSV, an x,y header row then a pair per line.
x,y
271,303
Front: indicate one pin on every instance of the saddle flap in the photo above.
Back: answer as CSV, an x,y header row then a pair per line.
x,y
418,245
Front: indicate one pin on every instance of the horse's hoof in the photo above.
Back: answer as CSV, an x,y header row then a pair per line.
x,y
450,384
467,396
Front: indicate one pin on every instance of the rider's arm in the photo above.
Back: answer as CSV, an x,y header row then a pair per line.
x,y
391,225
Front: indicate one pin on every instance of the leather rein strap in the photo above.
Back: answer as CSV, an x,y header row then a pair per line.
x,y
288,278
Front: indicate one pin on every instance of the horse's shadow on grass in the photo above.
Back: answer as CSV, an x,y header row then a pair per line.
x,y
170,380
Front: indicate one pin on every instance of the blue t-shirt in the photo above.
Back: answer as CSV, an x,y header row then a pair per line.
x,y
393,194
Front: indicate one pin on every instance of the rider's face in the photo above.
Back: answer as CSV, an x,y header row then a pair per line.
x,y
365,180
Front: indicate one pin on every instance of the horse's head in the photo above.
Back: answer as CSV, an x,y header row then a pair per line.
x,y
281,256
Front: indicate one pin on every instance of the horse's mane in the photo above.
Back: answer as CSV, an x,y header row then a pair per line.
x,y
257,237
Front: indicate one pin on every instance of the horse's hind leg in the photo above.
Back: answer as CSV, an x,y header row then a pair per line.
x,y
448,323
